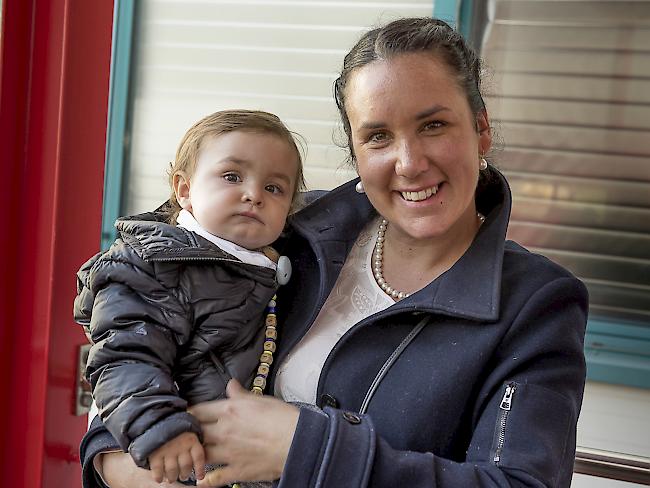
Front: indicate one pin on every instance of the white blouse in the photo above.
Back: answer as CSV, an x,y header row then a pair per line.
x,y
354,297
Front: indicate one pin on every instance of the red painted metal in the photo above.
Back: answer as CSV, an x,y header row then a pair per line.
x,y
14,76
55,58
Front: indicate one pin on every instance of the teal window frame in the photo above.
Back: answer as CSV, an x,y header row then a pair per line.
x,y
616,353
448,10
118,117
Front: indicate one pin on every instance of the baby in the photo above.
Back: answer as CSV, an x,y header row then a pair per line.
x,y
178,305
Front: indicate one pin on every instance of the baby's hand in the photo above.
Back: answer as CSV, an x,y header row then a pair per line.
x,y
175,459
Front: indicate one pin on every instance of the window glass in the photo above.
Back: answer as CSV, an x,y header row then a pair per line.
x,y
570,96
569,93
194,58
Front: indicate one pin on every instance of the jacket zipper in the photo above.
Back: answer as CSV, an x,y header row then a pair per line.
x,y
505,406
193,258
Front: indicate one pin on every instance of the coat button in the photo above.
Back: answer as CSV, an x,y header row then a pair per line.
x,y
353,418
328,401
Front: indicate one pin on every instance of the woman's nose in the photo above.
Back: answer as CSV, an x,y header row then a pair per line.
x,y
411,159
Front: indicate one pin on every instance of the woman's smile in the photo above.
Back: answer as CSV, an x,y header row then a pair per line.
x,y
419,195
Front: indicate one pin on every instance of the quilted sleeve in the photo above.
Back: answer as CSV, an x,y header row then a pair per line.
x,y
136,325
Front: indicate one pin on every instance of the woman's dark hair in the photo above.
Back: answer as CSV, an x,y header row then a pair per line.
x,y
415,35
412,35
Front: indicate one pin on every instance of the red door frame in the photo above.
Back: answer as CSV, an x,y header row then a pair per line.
x,y
54,81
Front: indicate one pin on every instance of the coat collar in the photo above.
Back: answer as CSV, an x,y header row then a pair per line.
x,y
471,288
153,239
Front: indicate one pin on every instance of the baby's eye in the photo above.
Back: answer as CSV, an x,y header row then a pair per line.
x,y
274,189
232,177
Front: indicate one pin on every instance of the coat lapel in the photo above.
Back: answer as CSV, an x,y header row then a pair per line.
x,y
471,288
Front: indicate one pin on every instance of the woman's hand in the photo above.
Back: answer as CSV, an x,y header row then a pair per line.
x,y
248,435
120,471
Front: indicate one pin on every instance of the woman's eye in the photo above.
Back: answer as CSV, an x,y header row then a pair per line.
x,y
232,177
433,125
378,137
274,189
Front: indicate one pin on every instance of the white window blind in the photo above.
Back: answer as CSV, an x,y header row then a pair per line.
x,y
570,96
192,58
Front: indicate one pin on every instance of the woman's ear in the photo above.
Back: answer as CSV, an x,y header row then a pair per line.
x,y
484,132
182,190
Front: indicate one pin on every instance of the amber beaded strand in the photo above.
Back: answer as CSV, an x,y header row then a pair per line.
x,y
266,359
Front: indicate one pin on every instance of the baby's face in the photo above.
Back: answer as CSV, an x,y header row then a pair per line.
x,y
242,187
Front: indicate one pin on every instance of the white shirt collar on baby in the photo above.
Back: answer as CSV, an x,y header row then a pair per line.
x,y
186,220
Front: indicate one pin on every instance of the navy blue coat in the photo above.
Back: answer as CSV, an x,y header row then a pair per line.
x,y
487,394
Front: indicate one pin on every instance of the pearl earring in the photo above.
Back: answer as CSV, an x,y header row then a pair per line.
x,y
359,187
483,164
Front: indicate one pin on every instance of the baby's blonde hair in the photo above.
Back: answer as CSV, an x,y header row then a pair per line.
x,y
223,122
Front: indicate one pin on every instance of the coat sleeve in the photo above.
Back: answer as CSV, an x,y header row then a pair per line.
x,y
135,325
523,426
96,440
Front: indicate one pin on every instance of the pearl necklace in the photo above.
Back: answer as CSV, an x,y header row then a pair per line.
x,y
378,261
378,264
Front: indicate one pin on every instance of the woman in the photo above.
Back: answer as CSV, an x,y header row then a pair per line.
x,y
436,352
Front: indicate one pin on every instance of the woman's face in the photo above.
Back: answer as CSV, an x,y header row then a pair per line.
x,y
417,144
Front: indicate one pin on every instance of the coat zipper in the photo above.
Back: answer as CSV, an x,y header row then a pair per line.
x,y
193,258
505,406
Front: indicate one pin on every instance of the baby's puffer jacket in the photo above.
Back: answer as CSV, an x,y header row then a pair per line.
x,y
172,318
